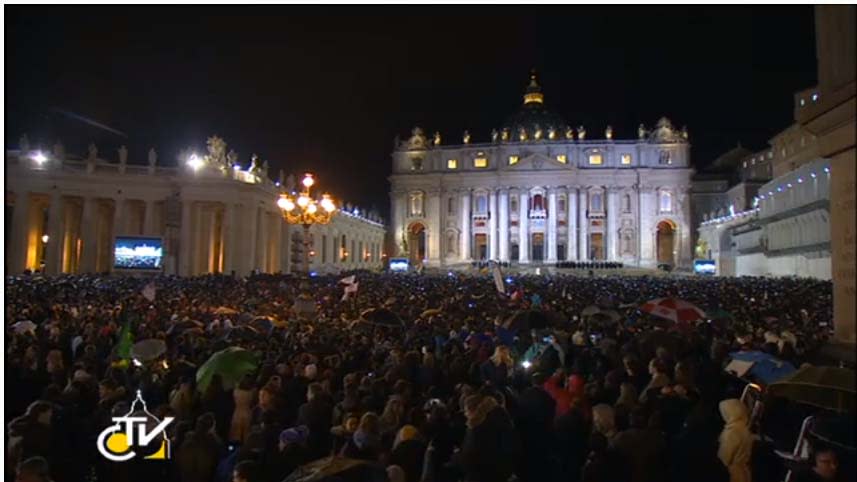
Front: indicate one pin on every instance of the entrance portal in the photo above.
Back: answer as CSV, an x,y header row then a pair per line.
x,y
596,246
481,245
538,247
666,242
416,244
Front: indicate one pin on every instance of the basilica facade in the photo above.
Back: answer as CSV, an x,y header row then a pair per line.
x,y
541,191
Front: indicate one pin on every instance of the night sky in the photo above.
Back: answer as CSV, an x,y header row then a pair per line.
x,y
328,88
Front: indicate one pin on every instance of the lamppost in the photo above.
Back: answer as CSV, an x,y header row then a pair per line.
x,y
306,211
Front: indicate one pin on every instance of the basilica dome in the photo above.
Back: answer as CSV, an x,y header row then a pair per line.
x,y
533,121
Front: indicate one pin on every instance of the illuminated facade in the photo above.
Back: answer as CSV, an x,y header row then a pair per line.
x,y
213,215
542,191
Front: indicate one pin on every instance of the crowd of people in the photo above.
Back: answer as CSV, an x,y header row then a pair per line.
x,y
459,387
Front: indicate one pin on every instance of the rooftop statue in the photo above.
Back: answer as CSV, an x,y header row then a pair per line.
x,y
494,135
466,137
569,133
581,133
123,154
93,152
608,133
153,157
216,150
418,140
641,131
436,138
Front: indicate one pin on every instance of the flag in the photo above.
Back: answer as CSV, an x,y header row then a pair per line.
x,y
351,285
149,292
123,348
352,288
498,280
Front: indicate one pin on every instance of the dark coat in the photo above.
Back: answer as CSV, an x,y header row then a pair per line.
x,y
645,452
317,414
409,456
491,447
198,457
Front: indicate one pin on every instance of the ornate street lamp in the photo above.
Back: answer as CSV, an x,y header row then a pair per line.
x,y
306,211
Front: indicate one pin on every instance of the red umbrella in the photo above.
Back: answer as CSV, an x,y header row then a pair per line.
x,y
673,309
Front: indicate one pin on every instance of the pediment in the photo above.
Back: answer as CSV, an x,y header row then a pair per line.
x,y
537,162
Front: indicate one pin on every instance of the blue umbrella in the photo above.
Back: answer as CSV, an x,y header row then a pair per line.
x,y
766,368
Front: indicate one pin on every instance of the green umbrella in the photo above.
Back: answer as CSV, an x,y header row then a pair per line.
x,y
231,364
832,388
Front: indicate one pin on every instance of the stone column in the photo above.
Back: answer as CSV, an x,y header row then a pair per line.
x,y
612,231
149,227
88,235
504,225
17,262
647,209
262,241
55,235
434,229
492,225
524,227
185,239
552,214
583,224
229,234
466,222
571,209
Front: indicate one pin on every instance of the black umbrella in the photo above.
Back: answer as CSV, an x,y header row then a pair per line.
x,y
381,316
338,469
525,320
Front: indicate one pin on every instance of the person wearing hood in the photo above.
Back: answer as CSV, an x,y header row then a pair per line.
x,y
736,441
490,449
317,414
291,453
31,434
644,448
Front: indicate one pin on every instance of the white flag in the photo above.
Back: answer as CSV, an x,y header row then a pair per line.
x,y
348,280
498,280
351,288
149,292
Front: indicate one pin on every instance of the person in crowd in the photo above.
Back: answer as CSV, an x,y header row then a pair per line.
x,y
824,466
444,386
736,441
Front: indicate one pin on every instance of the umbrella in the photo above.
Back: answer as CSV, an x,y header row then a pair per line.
x,y
262,323
603,318
525,320
231,364
381,316
243,332
766,368
431,312
338,469
673,309
149,349
826,387
24,326
590,310
225,310
184,325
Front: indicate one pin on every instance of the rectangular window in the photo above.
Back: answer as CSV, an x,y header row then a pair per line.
x,y
561,159
480,162
513,160
452,164
626,159
595,159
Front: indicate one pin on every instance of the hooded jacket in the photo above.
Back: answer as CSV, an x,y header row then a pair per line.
x,y
736,441
491,446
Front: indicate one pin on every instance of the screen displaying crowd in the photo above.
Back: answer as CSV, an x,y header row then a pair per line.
x,y
138,253
444,380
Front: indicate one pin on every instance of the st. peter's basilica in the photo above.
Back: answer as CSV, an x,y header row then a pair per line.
x,y
543,191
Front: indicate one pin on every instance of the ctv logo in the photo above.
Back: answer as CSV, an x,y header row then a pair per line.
x,y
122,441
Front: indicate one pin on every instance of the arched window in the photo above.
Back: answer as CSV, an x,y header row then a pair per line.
x,y
666,202
560,204
595,202
450,205
626,203
538,203
665,159
513,203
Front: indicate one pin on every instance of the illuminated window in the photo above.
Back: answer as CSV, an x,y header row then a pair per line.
x,y
595,159
452,164
666,202
561,158
480,162
513,160
626,159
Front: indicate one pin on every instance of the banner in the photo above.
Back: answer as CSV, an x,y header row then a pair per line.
x,y
498,280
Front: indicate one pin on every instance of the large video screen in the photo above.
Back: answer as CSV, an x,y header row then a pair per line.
x,y
138,253
704,266
399,264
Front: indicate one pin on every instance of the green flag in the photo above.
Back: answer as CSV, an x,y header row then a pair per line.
x,y
123,348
